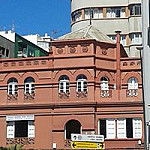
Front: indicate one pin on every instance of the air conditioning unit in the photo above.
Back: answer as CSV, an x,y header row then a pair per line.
x,y
20,54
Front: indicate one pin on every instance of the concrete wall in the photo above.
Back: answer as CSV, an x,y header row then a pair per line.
x,y
146,63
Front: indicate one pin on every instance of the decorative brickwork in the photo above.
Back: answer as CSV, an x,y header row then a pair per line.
x,y
23,141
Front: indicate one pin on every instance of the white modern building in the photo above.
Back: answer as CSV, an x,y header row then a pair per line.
x,y
41,41
146,66
109,16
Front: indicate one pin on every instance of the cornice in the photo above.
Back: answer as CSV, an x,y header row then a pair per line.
x,y
71,105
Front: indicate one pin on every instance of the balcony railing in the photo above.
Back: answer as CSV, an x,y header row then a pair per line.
x,y
81,94
132,93
28,96
22,141
12,97
64,95
106,93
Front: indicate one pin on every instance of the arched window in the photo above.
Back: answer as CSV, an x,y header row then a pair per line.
x,y
72,126
64,84
81,83
29,85
104,83
12,86
132,83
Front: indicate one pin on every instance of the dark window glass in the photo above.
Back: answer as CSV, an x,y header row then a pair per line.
x,y
129,128
103,128
21,129
72,126
7,52
118,12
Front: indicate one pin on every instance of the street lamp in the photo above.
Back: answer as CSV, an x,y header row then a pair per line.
x,y
140,48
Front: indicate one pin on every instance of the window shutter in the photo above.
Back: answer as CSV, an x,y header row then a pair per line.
x,y
121,128
11,129
137,128
31,129
110,128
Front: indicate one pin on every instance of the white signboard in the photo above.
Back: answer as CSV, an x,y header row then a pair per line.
x,y
87,137
19,117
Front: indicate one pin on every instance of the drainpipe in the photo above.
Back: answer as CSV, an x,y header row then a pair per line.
x,y
118,72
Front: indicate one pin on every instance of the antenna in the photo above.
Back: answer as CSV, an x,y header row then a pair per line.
x,y
54,32
13,26
90,16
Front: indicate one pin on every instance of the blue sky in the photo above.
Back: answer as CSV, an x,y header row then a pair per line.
x,y
35,16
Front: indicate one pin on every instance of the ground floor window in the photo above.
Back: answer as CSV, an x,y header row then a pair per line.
x,y
121,128
19,129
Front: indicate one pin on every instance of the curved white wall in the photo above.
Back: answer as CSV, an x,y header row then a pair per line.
x,y
78,4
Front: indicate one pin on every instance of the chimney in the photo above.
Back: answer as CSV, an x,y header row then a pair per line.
x,y
118,73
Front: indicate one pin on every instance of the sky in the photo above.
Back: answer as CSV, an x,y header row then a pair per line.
x,y
36,16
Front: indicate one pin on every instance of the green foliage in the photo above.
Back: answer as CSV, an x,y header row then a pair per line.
x,y
13,147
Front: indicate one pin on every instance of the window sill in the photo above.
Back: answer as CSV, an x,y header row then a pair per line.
x,y
123,139
135,44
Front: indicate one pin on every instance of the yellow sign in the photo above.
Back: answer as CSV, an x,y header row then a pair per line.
x,y
87,145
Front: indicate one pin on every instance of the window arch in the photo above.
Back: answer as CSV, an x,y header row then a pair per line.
x,y
81,83
104,83
132,83
64,86
12,86
72,126
29,86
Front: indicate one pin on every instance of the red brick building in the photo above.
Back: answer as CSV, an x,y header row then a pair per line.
x,y
86,85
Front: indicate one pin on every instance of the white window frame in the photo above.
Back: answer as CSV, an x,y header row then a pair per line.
x,y
104,84
29,88
83,87
113,12
132,83
12,88
108,13
122,12
64,86
11,129
123,39
134,10
136,38
87,13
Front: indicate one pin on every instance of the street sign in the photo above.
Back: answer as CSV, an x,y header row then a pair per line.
x,y
87,145
87,138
